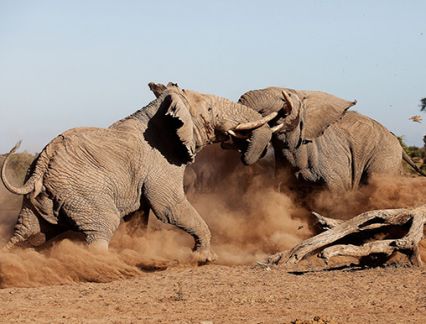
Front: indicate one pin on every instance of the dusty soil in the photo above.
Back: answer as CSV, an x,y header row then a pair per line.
x,y
72,285
220,294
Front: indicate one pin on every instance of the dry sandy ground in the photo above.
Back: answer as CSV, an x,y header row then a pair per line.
x,y
244,228
228,294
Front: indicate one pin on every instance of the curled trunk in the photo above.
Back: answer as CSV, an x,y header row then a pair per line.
x,y
258,143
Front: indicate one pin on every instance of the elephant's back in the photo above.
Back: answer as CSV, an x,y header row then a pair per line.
x,y
93,158
104,146
370,139
365,128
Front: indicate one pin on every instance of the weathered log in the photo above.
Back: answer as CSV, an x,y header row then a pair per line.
x,y
355,239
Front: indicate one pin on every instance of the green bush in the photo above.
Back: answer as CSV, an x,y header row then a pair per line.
x,y
414,152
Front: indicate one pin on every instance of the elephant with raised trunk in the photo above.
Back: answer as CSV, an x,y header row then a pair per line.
x,y
322,141
87,179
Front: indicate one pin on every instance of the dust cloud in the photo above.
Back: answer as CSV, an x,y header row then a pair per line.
x,y
247,216
382,192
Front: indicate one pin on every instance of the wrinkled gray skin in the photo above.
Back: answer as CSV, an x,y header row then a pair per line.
x,y
87,179
323,142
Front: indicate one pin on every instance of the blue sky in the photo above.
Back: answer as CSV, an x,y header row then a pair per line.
x,y
66,64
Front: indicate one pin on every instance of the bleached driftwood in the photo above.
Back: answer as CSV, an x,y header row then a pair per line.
x,y
356,239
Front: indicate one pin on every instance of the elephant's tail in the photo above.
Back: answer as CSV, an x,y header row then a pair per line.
x,y
28,186
407,159
34,182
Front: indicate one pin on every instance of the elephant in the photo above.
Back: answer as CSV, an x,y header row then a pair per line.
x,y
323,142
88,179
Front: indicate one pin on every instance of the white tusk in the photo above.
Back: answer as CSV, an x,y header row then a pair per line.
x,y
277,128
257,123
231,132
287,98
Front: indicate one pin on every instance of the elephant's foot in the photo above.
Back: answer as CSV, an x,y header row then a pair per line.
x,y
37,239
204,256
16,240
99,246
10,244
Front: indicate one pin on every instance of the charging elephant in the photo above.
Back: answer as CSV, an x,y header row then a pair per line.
x,y
322,141
87,179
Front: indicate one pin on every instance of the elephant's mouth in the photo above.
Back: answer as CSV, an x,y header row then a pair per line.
x,y
236,144
221,137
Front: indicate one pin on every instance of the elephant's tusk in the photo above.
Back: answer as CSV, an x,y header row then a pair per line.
x,y
257,123
287,99
232,133
277,128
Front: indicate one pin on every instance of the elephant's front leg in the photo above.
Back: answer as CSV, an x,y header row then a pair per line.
x,y
181,214
164,192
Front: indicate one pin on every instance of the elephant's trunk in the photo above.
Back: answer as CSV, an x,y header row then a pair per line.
x,y
258,143
237,117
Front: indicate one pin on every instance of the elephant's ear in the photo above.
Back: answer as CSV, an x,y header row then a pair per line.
x,y
320,110
181,120
157,88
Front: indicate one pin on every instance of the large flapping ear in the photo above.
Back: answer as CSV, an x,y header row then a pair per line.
x,y
320,110
181,120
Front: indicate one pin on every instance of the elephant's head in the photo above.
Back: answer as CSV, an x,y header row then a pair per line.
x,y
312,111
201,119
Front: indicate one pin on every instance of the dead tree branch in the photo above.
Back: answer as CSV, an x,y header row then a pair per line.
x,y
378,233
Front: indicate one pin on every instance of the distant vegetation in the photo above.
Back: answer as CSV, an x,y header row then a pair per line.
x,y
417,154
423,104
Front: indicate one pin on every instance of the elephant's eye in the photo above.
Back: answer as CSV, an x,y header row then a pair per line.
x,y
209,109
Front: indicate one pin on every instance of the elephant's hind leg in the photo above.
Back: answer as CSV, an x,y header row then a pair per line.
x,y
99,245
385,166
97,221
27,228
